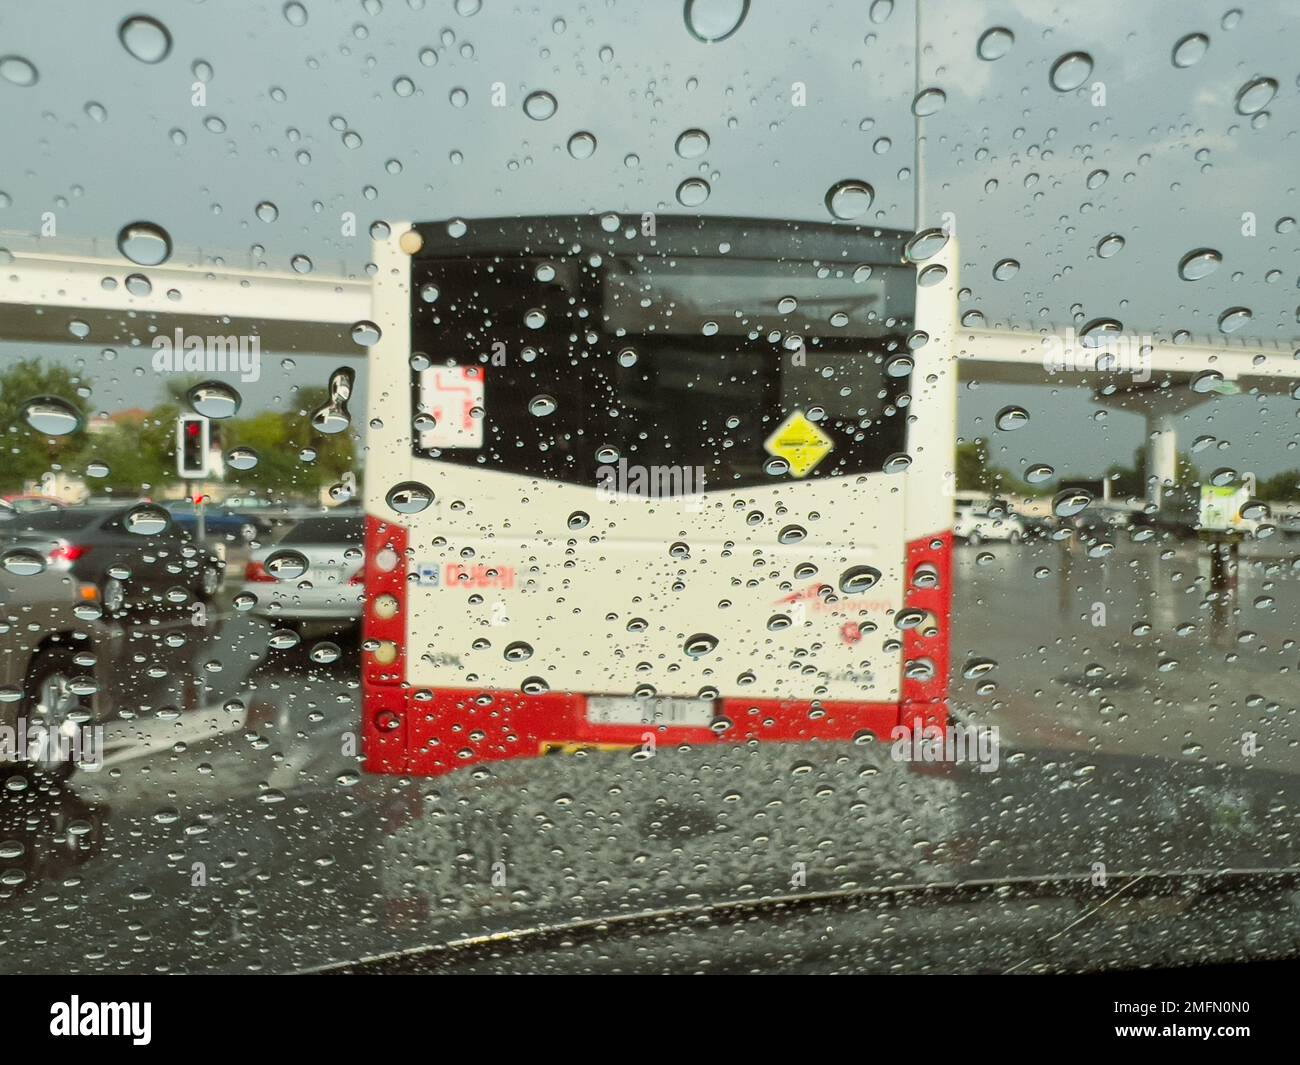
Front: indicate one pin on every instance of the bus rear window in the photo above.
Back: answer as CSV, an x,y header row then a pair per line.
x,y
560,369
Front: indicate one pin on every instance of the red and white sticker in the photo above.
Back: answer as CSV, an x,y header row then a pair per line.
x,y
454,396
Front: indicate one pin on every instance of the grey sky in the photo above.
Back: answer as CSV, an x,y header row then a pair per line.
x,y
1183,164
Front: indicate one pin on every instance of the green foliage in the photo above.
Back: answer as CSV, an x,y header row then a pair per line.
x,y
140,455
279,438
975,473
1282,487
26,453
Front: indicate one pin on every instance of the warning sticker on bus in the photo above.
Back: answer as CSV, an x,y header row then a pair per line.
x,y
800,443
453,395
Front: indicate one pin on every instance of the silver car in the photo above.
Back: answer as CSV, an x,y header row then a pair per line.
x,y
55,652
329,592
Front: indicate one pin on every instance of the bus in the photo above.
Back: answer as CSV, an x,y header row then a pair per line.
x,y
639,481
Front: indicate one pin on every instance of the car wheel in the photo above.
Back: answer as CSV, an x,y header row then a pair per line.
x,y
1014,538
112,597
974,539
248,532
52,700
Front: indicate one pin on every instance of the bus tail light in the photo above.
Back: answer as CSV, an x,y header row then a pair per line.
x,y
384,699
927,647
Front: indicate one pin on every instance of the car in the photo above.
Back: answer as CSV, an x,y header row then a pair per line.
x,y
28,504
54,646
978,519
330,593
220,522
131,573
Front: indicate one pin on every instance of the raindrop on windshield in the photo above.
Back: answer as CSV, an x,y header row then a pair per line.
x,y
145,38
1255,95
144,243
334,416
850,199
409,497
692,143
1011,418
51,416
214,399
858,579
700,645
995,43
18,71
925,245
1234,318
286,564
1198,264
1070,502
692,192
712,21
1070,71
540,105
928,102
241,458
1190,49
146,520
582,145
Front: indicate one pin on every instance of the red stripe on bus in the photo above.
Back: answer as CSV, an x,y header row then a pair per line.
x,y
925,701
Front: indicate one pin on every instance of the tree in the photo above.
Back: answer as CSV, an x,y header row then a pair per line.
x,y
1282,487
27,452
976,473
279,438
140,453
972,465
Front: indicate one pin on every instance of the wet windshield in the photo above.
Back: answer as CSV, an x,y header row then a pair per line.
x,y
718,464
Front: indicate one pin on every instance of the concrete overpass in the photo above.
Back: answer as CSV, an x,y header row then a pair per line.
x,y
42,292
1158,378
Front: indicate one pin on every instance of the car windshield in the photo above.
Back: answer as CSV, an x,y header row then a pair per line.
x,y
706,486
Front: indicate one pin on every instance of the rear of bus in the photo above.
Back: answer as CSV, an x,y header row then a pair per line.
x,y
641,483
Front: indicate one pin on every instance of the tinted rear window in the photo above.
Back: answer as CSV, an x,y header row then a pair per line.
x,y
57,520
349,530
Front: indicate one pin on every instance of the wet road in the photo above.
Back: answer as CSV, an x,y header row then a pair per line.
x,y
230,828
1133,653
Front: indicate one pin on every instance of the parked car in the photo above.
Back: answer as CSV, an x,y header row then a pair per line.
x,y
53,641
978,520
330,591
131,573
27,504
220,521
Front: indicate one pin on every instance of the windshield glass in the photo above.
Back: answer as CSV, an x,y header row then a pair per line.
x,y
748,486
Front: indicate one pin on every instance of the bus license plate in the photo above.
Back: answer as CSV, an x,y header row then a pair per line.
x,y
624,710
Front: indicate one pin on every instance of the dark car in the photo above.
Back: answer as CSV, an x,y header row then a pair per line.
x,y
220,523
132,571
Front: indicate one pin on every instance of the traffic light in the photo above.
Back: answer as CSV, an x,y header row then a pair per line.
x,y
192,440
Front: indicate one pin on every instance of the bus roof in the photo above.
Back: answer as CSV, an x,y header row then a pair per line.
x,y
749,238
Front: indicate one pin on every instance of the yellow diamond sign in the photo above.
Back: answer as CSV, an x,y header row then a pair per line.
x,y
800,442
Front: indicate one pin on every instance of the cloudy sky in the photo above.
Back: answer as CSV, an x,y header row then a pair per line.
x,y
386,109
